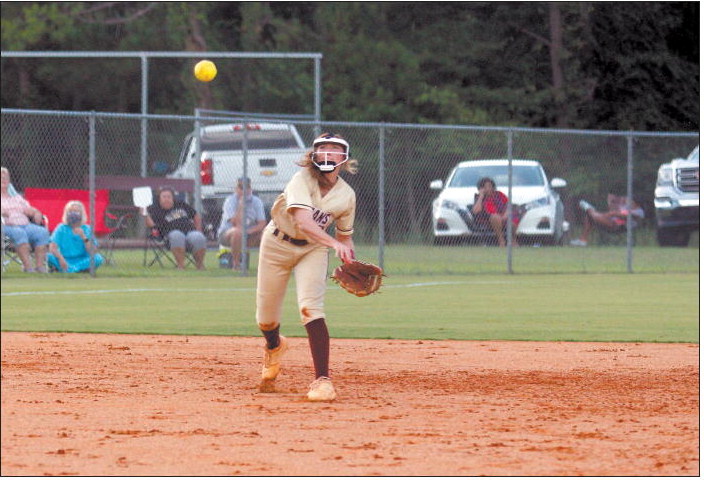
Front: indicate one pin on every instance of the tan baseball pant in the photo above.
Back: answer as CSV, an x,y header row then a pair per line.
x,y
277,259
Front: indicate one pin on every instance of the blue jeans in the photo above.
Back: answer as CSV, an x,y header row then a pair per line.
x,y
31,233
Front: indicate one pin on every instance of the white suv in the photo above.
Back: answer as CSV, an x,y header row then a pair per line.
x,y
544,217
677,200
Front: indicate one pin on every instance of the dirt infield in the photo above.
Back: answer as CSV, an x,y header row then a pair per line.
x,y
78,404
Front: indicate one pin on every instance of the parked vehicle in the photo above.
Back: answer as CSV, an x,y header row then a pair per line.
x,y
677,200
273,151
544,217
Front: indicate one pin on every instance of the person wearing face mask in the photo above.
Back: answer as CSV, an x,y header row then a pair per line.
x,y
296,241
73,242
241,210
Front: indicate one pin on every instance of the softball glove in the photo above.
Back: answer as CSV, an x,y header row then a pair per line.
x,y
358,278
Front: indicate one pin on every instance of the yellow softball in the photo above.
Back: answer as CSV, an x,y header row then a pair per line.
x,y
205,70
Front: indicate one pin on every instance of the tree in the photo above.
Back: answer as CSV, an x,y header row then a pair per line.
x,y
644,58
541,64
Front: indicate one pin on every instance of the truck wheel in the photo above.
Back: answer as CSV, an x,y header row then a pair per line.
x,y
673,237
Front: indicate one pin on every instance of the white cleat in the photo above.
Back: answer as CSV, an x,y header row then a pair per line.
x,y
322,390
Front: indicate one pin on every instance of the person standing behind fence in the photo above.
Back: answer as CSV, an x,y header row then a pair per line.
x,y
73,242
23,224
180,225
241,208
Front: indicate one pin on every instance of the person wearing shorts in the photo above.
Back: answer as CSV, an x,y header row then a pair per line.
x,y
180,225
24,226
241,210
296,241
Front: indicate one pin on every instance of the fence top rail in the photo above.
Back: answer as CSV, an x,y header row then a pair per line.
x,y
253,117
155,54
235,114
127,183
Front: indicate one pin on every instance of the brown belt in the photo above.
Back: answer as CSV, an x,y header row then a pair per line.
x,y
285,237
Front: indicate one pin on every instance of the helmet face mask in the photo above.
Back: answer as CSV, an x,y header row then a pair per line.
x,y
325,164
322,160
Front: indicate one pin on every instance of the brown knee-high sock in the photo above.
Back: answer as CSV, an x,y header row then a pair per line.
x,y
319,341
272,337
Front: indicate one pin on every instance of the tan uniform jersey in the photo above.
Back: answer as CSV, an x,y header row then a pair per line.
x,y
303,192
309,263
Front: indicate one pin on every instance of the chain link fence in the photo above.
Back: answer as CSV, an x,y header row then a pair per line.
x,y
401,222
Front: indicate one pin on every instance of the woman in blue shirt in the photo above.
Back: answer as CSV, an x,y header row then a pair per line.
x,y
73,241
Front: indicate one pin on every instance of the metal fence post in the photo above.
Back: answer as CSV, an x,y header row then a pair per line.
x,y
244,258
91,185
629,199
509,222
318,96
382,133
145,112
197,200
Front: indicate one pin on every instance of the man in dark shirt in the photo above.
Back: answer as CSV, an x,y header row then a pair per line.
x,y
180,225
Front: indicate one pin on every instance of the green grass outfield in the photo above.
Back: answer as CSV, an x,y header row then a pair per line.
x,y
432,260
644,307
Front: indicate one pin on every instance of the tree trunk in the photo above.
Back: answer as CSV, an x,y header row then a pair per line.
x,y
195,42
558,81
25,82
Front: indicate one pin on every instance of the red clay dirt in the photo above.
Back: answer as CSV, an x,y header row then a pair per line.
x,y
129,405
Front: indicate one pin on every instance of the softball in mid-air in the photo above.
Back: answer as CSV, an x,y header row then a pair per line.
x,y
205,70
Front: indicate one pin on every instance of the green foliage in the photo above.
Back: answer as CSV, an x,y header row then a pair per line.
x,y
645,66
567,64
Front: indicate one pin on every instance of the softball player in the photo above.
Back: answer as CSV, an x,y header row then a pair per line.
x,y
295,240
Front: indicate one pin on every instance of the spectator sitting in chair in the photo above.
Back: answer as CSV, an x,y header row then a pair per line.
x,y
180,225
490,207
73,242
613,220
231,225
23,225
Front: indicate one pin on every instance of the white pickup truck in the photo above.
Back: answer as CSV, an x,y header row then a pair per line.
x,y
677,200
273,150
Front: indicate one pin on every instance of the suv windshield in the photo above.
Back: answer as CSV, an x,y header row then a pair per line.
x,y
523,176
694,156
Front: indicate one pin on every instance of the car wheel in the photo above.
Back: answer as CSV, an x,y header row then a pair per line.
x,y
673,237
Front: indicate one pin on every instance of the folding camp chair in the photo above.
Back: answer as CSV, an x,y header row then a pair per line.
x,y
117,226
159,247
142,197
154,243
9,255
